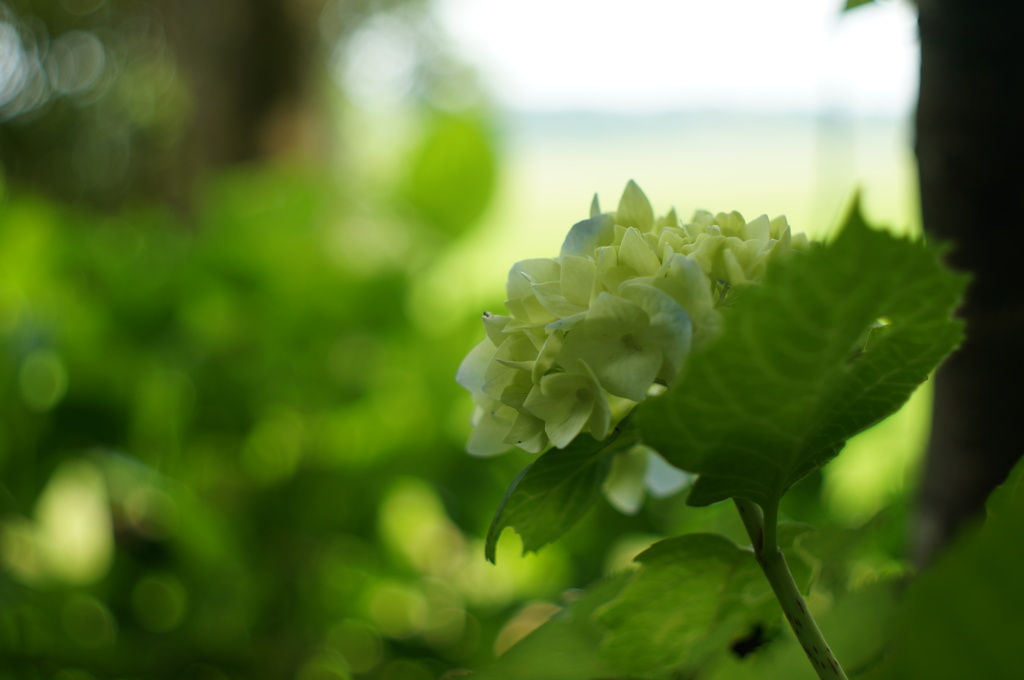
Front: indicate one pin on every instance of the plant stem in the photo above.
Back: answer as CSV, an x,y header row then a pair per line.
x,y
762,532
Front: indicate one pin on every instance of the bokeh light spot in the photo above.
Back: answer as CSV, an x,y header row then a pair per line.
x,y
160,602
43,379
275,446
19,546
74,524
404,669
399,610
414,524
325,666
75,62
358,642
82,7
88,622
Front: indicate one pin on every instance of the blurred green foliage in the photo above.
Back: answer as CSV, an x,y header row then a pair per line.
x,y
226,451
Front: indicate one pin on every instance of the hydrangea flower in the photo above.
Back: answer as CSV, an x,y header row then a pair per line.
x,y
594,331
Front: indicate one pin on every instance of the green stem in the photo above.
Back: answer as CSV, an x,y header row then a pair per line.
x,y
762,532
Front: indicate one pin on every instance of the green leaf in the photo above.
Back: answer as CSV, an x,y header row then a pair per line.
x,y
851,4
692,596
857,625
793,376
634,209
550,495
962,617
565,647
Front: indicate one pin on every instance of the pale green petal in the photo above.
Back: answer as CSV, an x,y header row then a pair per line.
x,y
546,358
600,420
610,313
630,374
674,239
779,225
610,341
733,271
494,325
527,272
634,208
518,365
557,401
578,280
537,336
663,479
612,278
499,375
528,312
566,323
607,258
719,270
636,253
515,392
624,487
551,298
731,223
474,367
562,433
784,243
670,328
527,432
587,236
491,423
671,219
703,251
758,229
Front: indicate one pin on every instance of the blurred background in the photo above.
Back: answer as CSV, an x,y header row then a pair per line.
x,y
245,244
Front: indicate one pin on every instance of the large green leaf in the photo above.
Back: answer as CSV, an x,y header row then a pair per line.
x,y
962,618
550,495
692,597
802,364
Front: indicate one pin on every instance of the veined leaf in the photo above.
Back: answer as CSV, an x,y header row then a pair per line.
x,y
550,495
692,596
798,369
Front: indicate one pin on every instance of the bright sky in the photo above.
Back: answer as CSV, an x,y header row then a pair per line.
x,y
657,55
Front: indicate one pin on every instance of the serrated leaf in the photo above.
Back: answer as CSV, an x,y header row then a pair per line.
x,y
691,597
634,209
550,495
792,377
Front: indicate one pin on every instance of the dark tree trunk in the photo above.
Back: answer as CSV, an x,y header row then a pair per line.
x,y
970,151
252,67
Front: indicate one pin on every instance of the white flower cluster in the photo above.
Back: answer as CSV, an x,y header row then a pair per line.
x,y
592,332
